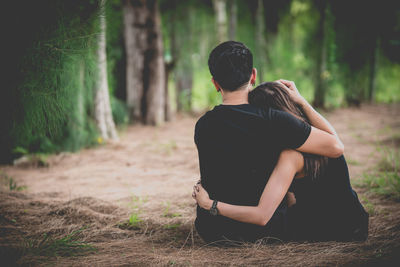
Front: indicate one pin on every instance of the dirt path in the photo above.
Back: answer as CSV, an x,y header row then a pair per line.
x,y
149,174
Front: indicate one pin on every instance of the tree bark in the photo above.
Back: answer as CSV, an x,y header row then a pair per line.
x,y
260,40
232,19
184,83
320,84
145,62
220,12
183,72
103,112
135,42
168,110
154,79
372,72
170,64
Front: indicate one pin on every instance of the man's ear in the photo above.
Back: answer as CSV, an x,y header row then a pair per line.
x,y
253,76
216,85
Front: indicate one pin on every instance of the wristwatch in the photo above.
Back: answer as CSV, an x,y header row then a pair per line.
x,y
214,210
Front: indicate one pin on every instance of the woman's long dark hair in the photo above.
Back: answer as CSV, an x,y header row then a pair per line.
x,y
272,94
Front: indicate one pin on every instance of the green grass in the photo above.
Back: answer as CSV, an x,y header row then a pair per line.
x,y
167,213
370,207
133,223
384,183
11,183
69,245
134,220
352,162
172,226
390,159
137,201
385,179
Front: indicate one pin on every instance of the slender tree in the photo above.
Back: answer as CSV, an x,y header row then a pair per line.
x,y
103,112
171,60
232,19
260,40
181,47
221,20
372,71
320,84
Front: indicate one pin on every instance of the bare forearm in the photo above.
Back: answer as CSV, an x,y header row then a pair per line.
x,y
246,214
317,120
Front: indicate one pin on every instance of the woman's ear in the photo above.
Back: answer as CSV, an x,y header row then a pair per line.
x,y
216,85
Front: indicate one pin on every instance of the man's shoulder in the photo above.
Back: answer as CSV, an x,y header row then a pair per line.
x,y
231,109
204,118
222,112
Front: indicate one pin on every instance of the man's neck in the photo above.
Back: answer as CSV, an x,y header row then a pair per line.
x,y
237,97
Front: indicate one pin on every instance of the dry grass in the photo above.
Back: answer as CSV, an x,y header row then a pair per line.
x,y
68,197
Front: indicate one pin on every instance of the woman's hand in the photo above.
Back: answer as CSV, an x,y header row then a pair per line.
x,y
292,90
291,199
201,197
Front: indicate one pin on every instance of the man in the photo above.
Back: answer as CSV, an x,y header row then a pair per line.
x,y
239,144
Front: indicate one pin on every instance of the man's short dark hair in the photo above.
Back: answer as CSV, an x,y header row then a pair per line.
x,y
231,64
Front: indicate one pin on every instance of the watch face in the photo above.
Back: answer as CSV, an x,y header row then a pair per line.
x,y
214,211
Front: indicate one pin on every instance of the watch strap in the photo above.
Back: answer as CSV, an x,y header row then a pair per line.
x,y
214,210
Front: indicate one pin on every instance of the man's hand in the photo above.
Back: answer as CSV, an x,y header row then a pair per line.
x,y
292,90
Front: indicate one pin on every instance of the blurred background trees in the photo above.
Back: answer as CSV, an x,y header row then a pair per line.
x,y
72,64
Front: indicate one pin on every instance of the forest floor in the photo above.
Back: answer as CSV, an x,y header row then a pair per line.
x,y
128,203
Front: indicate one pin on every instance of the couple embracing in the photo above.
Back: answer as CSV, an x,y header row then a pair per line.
x,y
271,166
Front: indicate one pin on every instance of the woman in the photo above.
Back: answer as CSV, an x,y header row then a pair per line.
x,y
323,207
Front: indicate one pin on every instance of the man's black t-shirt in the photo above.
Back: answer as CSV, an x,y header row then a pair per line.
x,y
238,148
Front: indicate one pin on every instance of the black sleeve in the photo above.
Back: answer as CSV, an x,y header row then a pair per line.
x,y
288,131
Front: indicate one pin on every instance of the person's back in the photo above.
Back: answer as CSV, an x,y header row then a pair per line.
x,y
236,157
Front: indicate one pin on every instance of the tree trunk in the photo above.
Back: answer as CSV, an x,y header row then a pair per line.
x,y
260,40
184,83
372,72
154,77
320,84
220,12
103,112
135,42
145,62
167,107
184,67
232,19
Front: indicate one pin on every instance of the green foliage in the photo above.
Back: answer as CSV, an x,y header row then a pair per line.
x,y
66,246
116,73
385,180
54,98
119,111
47,102
292,49
387,81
